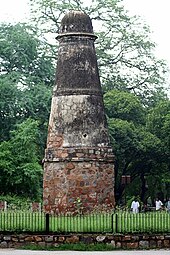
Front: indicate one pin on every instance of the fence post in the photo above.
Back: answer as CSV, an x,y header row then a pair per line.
x,y
116,223
47,222
112,222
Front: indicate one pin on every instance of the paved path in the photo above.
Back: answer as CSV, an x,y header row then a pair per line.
x,y
26,252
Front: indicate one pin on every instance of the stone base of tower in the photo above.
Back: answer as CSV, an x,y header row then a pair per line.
x,y
78,180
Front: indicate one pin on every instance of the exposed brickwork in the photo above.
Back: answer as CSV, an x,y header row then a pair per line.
x,y
87,176
78,164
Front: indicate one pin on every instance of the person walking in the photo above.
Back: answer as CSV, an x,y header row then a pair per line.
x,y
135,206
158,204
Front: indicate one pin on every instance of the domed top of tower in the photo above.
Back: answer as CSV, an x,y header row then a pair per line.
x,y
75,22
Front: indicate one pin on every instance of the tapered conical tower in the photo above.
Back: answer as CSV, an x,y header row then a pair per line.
x,y
78,167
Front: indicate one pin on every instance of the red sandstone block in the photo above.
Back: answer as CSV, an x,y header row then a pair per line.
x,y
132,245
166,243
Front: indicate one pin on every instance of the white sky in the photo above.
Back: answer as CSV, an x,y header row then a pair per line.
x,y
156,13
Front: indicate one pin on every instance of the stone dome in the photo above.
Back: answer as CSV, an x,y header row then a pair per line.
x,y
75,22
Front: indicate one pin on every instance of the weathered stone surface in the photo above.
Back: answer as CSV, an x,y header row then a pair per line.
x,y
153,244
113,243
166,243
144,244
60,239
56,240
29,238
38,239
100,238
124,245
118,245
118,238
160,237
86,239
135,238
14,239
126,238
159,244
3,244
7,238
133,245
79,158
49,238
72,239
145,237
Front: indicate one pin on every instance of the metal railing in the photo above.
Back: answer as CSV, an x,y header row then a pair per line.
x,y
155,222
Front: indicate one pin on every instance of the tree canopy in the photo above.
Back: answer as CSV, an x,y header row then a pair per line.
x,y
139,151
133,81
21,172
124,49
26,81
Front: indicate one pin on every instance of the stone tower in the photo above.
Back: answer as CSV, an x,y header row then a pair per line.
x,y
78,165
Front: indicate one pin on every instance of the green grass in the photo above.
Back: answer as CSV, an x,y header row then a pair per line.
x,y
155,222
22,221
87,223
75,247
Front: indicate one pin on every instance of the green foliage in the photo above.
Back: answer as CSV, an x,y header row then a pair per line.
x,y
158,121
135,100
21,173
15,202
23,56
139,151
26,78
9,106
124,49
124,105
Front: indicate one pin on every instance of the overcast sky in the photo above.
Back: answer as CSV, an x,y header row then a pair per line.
x,y
156,13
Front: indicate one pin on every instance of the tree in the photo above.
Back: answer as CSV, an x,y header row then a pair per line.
x,y
138,152
20,172
23,56
125,106
9,107
127,64
132,80
26,80
124,49
158,122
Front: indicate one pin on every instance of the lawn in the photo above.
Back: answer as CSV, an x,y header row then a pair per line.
x,y
120,222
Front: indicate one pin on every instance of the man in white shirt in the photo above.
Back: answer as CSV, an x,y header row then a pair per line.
x,y
135,206
158,204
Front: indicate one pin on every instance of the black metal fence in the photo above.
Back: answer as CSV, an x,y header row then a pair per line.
x,y
155,222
